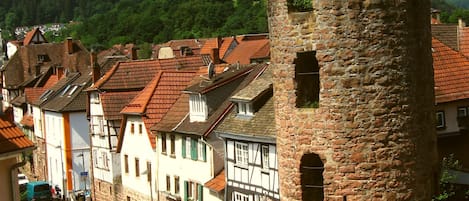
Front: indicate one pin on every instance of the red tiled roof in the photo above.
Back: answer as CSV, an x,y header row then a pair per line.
x,y
136,74
158,97
451,70
213,43
27,121
12,139
217,184
245,50
32,94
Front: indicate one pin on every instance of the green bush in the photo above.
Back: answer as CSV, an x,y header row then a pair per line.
x,y
300,5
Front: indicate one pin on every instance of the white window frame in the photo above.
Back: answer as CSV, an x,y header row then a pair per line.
x,y
197,107
242,153
440,115
265,156
188,147
200,150
462,111
237,196
245,109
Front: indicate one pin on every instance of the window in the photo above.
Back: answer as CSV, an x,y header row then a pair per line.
x,y
126,163
462,112
105,160
94,98
194,149
193,191
176,185
132,128
194,143
188,147
173,144
168,183
163,143
311,169
245,108
440,119
140,128
197,106
265,156
241,153
237,196
307,80
95,157
299,6
149,171
137,167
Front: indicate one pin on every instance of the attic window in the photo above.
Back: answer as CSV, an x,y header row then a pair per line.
x,y
69,90
45,95
185,50
307,80
198,107
42,58
245,109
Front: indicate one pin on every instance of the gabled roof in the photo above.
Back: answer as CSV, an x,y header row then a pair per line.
x,y
447,34
262,124
34,36
134,75
113,102
156,99
25,63
249,49
32,93
12,139
205,128
223,44
451,70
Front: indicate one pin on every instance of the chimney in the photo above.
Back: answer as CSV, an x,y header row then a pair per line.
x,y
219,40
96,73
69,45
461,23
133,54
215,55
60,71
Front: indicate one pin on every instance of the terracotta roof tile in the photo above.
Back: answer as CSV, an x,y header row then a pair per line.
x,y
218,183
113,102
27,121
211,43
29,36
244,52
158,97
451,70
12,139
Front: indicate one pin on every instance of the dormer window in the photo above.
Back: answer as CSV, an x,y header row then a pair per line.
x,y
198,107
245,109
45,95
42,58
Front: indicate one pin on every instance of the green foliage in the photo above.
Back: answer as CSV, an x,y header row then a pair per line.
x,y
448,189
300,5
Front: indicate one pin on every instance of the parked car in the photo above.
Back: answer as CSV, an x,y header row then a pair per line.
x,y
38,191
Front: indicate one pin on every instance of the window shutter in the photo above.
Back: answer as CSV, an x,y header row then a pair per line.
x,y
185,190
200,189
183,139
204,152
194,149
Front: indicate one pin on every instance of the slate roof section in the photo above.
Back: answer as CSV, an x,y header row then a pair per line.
x,y
153,102
217,184
244,75
451,70
22,65
134,75
247,50
12,139
70,96
447,34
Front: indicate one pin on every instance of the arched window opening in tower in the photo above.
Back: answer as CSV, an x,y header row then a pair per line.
x,y
311,169
306,80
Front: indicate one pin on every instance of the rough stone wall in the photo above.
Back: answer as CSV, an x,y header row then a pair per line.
x,y
104,190
374,127
40,160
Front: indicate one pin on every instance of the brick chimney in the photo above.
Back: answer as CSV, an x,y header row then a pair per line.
x,y
215,55
59,71
96,73
69,45
133,54
219,41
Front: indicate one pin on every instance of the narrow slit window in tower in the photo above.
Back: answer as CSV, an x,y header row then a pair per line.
x,y
311,169
307,80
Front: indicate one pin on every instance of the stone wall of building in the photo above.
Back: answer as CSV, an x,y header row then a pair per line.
x,y
103,190
374,127
40,170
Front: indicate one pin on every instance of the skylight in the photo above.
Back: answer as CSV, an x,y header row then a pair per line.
x,y
45,95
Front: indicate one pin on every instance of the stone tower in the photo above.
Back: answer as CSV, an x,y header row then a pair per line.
x,y
353,84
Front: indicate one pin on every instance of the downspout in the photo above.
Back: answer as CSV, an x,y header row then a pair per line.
x,y
13,175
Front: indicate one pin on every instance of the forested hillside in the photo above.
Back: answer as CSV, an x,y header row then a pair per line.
x,y
101,23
